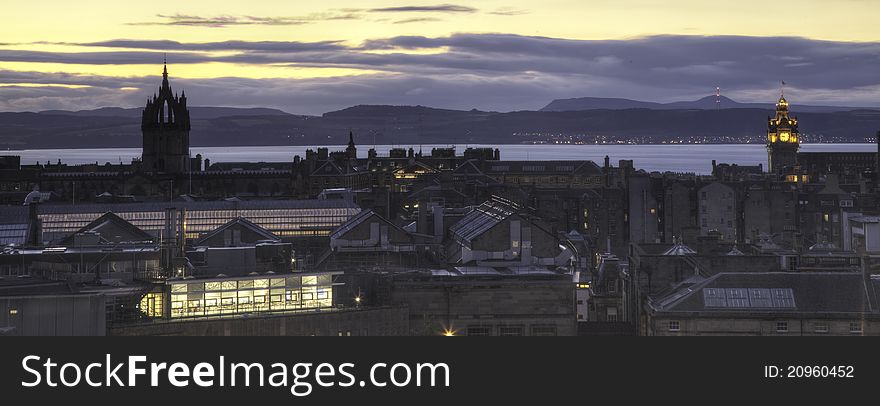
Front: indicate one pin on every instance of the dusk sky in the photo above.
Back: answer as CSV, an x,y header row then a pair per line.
x,y
314,57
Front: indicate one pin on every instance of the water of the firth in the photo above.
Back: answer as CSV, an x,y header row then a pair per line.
x,y
695,158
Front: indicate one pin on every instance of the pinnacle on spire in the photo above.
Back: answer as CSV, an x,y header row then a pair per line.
x,y
165,71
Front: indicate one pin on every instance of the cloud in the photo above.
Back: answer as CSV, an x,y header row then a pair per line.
x,y
440,8
166,45
486,71
229,20
417,20
220,21
509,11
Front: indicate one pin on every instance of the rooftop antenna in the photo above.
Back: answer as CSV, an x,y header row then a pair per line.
x,y
783,89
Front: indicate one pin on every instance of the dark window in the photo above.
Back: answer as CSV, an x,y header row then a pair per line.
x,y
479,331
510,331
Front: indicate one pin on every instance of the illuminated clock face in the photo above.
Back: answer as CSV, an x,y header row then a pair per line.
x,y
784,137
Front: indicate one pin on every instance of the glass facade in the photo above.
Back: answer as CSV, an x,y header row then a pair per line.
x,y
152,304
282,221
252,294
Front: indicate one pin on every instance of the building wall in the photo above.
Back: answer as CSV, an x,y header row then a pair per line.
x,y
717,210
643,224
71,315
760,325
678,206
771,212
392,320
658,272
490,305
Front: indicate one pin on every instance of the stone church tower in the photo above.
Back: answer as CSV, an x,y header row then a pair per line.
x,y
165,127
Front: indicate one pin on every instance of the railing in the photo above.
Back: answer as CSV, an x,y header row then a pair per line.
x,y
151,275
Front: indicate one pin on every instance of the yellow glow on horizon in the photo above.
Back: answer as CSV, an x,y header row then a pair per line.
x,y
44,85
189,71
56,21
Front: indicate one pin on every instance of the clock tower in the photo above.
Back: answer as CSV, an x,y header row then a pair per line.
x,y
783,139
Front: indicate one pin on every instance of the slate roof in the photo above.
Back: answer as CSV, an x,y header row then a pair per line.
x,y
813,292
543,167
108,219
482,218
27,286
268,235
15,233
331,168
197,205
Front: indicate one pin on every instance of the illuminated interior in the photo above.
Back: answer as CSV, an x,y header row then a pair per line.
x,y
251,294
152,304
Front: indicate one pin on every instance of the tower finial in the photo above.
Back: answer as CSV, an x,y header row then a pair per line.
x,y
164,70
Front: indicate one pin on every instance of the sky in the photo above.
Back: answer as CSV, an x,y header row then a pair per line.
x,y
314,57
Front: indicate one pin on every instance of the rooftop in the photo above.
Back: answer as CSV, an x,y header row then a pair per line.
x,y
482,218
790,292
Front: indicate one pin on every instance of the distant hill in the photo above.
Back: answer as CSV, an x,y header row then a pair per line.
x,y
705,103
413,125
195,112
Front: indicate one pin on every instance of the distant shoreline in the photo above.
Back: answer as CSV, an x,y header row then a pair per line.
x,y
439,145
696,158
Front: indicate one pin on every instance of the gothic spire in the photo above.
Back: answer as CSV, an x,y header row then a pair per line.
x,y
165,71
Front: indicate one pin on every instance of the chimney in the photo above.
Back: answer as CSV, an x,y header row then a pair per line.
x,y
877,159
35,225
